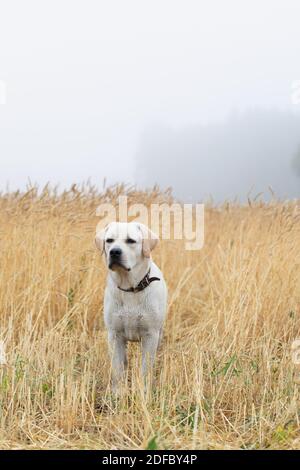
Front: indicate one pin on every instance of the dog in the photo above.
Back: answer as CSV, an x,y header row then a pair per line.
x,y
135,299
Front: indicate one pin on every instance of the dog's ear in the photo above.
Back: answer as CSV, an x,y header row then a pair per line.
x,y
99,238
150,240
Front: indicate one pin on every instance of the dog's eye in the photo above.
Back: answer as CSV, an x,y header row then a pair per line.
x,y
130,240
109,240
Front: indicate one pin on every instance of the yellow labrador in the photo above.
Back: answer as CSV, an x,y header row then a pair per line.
x,y
135,300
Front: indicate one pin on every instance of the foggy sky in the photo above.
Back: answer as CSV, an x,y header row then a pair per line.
x,y
248,154
87,80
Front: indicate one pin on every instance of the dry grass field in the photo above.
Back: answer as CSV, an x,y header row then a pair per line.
x,y
224,377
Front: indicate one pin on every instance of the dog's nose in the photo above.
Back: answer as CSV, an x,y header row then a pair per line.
x,y
115,252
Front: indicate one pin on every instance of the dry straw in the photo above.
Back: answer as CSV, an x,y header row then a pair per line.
x,y
224,376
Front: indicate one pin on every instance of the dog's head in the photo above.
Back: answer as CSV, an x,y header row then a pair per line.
x,y
125,245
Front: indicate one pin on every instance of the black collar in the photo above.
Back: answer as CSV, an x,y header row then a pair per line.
x,y
142,284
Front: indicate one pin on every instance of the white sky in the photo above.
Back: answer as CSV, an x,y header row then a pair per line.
x,y
84,78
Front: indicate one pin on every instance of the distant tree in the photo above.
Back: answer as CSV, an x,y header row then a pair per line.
x,y
296,162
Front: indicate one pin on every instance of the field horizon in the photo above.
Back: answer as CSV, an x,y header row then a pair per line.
x,y
224,377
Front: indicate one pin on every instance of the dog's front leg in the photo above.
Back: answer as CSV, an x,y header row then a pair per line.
x,y
117,346
149,347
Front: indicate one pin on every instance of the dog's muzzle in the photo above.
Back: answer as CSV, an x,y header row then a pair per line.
x,y
115,258
115,253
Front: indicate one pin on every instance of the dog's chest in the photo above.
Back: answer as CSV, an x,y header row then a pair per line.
x,y
131,323
130,317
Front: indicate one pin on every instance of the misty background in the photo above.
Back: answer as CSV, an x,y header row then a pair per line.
x,y
196,95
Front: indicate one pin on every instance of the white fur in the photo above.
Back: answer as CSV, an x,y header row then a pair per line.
x,y
132,316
